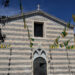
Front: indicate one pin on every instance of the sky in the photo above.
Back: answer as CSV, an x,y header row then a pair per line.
x,y
62,9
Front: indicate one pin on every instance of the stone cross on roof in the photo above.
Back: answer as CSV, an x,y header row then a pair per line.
x,y
38,7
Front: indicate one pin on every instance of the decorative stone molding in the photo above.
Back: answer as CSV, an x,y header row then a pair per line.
x,y
39,53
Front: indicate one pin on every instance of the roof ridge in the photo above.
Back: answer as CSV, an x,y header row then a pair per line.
x,y
19,16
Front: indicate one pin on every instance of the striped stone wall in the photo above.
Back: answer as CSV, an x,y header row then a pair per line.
x,y
21,63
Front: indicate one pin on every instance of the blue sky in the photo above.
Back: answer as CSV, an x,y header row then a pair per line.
x,y
62,9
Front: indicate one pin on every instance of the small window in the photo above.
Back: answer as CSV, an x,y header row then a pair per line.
x,y
38,29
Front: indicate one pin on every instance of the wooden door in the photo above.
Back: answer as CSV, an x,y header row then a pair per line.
x,y
40,66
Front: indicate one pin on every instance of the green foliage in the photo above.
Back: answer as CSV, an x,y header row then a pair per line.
x,y
25,26
64,33
21,7
32,39
5,3
31,44
56,40
68,24
5,45
70,47
73,16
66,43
24,21
61,45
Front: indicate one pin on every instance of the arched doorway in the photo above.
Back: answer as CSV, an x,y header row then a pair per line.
x,y
40,66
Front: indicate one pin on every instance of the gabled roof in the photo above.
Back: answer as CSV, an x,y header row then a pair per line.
x,y
39,12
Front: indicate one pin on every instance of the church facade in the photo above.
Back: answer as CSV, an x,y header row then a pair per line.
x,y
21,59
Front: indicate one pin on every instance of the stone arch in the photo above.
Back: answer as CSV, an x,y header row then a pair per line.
x,y
39,53
39,66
